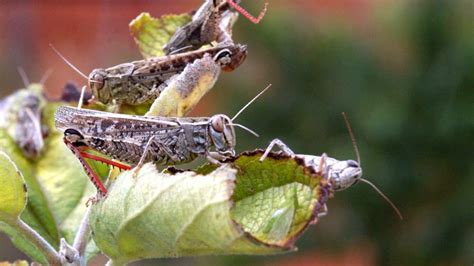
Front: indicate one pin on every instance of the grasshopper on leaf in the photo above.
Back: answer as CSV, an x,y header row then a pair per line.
x,y
340,175
139,139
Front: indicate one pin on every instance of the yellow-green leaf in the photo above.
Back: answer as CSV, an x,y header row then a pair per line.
x,y
13,192
243,207
57,185
151,34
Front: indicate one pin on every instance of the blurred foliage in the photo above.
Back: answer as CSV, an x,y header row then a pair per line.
x,y
408,89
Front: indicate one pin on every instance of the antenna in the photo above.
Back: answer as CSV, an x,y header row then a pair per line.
x,y
23,76
351,134
250,102
179,50
383,196
246,129
356,149
69,63
46,76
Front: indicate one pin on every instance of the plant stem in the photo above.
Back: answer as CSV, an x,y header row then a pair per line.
x,y
82,236
29,233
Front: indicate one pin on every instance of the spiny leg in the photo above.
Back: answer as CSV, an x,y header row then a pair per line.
x,y
280,145
105,160
246,14
215,158
322,165
143,158
324,211
101,190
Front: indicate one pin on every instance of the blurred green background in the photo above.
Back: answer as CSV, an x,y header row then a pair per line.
x,y
403,71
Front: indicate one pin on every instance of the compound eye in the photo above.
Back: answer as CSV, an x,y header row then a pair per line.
x,y
97,80
225,53
217,124
352,163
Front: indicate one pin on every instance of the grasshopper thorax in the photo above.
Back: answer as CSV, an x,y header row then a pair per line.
x,y
222,134
343,174
232,57
97,80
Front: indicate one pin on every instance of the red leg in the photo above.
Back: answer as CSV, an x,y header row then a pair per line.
x,y
246,14
105,160
93,177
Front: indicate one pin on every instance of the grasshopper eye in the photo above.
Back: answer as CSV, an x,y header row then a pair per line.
x,y
352,163
217,124
96,80
235,58
223,55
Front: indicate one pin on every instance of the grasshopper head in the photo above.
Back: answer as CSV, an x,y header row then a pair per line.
x,y
232,57
222,134
97,80
343,174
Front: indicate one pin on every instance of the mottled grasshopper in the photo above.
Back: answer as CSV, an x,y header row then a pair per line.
x,y
212,22
139,139
142,81
340,175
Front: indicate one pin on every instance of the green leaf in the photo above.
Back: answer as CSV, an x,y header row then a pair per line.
x,y
57,185
151,34
37,212
13,192
242,207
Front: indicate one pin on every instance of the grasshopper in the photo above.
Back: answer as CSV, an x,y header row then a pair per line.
x,y
21,115
340,175
139,139
142,81
212,22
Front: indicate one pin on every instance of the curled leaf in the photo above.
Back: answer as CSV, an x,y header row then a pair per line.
x,y
242,207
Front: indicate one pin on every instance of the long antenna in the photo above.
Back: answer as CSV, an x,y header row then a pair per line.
x,y
351,134
46,75
69,63
383,196
246,129
250,102
23,76
356,149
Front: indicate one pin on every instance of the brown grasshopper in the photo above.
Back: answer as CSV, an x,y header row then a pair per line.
x,y
139,139
142,81
340,175
212,22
